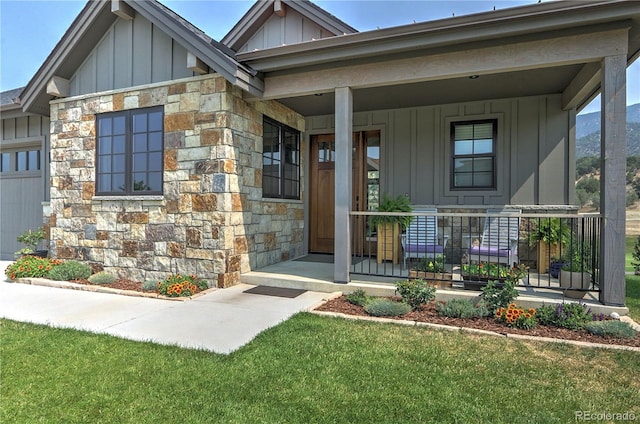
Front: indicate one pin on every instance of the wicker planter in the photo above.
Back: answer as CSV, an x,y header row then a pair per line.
x,y
545,252
389,246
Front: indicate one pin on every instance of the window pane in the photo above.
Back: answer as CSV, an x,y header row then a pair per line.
x,y
154,141
104,145
118,144
140,123
104,126
483,131
483,164
483,179
154,180
463,165
463,147
119,125
4,164
117,182
463,180
140,182
139,143
104,183
118,163
483,146
155,121
155,161
139,162
21,161
34,160
104,164
463,132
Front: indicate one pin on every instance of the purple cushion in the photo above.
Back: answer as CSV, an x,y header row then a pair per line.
x,y
489,251
423,248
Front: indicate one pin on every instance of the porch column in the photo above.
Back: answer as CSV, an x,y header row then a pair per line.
x,y
344,143
612,179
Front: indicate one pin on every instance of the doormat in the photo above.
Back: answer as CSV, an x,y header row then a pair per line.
x,y
275,291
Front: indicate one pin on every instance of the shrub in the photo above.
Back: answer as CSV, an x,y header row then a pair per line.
x,y
565,315
150,285
415,292
386,308
102,277
517,317
181,285
461,308
613,328
496,297
31,267
358,297
70,270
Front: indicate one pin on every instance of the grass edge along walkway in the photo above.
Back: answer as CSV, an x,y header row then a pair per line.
x,y
310,369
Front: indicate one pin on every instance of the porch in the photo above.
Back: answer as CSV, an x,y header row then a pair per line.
x,y
460,274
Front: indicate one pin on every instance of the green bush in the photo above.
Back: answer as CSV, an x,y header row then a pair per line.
x,y
565,315
358,297
102,277
461,308
612,328
495,297
150,285
386,308
70,270
31,267
415,292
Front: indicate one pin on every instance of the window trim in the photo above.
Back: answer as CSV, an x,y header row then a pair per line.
x,y
493,156
128,165
282,130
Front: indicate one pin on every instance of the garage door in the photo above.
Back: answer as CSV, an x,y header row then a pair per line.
x,y
21,196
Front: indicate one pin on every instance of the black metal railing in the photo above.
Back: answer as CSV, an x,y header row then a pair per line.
x,y
558,251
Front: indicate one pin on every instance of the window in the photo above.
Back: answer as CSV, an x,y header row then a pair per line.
x,y
129,152
474,155
20,161
280,161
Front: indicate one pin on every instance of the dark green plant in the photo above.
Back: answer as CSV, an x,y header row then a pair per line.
x,y
496,297
102,277
461,308
611,328
386,308
70,270
31,267
635,263
391,204
565,315
415,292
31,239
578,258
431,265
486,270
550,231
358,297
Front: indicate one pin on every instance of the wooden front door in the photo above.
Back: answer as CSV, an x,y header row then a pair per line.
x,y
322,190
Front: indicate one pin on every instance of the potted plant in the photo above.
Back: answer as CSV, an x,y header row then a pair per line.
x,y
31,239
433,271
390,227
576,274
549,235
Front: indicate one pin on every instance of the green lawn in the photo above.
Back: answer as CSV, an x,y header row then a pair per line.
x,y
630,241
309,369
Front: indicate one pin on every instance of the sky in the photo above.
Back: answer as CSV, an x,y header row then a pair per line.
x,y
29,30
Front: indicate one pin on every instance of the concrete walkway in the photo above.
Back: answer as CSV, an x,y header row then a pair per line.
x,y
220,321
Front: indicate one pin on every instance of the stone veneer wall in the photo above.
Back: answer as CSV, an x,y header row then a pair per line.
x,y
211,220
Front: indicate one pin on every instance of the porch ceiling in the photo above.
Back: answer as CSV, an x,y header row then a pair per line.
x,y
493,86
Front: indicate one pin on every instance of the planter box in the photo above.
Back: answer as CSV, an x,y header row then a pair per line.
x,y
389,246
575,280
477,282
545,252
439,280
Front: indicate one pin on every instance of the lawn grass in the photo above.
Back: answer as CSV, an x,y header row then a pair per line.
x,y
309,369
629,244
633,296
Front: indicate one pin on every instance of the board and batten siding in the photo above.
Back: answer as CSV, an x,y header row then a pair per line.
x,y
131,53
292,28
534,151
22,193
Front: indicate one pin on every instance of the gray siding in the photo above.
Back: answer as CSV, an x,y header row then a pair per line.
x,y
131,53
22,193
533,152
290,29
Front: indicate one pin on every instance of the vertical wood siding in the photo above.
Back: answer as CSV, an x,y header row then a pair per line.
x,y
533,152
131,53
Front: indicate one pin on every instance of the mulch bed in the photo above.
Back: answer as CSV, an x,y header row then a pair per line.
x,y
429,314
120,284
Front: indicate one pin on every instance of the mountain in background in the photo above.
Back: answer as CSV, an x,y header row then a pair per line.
x,y
588,133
